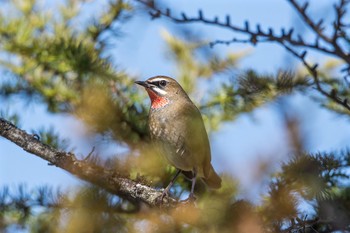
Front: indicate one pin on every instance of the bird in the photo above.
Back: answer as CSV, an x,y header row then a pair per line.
x,y
177,128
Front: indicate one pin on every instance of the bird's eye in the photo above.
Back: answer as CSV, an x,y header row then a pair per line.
x,y
162,83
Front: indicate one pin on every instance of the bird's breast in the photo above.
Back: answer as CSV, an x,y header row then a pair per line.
x,y
171,133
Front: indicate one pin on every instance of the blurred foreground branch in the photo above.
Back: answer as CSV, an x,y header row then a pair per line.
x,y
97,175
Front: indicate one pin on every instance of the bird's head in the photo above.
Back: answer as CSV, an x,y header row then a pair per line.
x,y
162,90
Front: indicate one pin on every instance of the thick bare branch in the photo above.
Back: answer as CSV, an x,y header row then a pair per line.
x,y
97,175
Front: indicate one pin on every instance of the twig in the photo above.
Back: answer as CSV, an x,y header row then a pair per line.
x,y
313,71
258,34
317,28
89,155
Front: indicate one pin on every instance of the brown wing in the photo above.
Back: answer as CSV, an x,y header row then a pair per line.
x,y
196,139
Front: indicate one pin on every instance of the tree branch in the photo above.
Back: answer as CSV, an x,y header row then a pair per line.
x,y
313,71
97,175
317,28
258,35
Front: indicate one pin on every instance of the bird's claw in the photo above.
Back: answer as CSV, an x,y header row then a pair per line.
x,y
160,198
190,200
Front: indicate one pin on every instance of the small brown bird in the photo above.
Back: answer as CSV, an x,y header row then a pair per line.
x,y
177,125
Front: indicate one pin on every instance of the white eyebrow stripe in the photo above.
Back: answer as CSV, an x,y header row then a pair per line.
x,y
156,80
160,91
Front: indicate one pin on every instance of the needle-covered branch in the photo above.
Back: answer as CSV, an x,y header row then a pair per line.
x,y
97,175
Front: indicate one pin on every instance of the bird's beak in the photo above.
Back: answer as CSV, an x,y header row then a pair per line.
x,y
142,83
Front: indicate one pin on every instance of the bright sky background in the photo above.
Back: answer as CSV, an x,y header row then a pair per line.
x,y
239,145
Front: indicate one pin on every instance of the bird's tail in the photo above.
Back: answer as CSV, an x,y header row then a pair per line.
x,y
212,179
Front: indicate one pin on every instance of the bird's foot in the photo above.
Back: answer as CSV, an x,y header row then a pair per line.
x,y
160,198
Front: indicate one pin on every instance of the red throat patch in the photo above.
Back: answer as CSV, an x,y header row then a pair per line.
x,y
157,101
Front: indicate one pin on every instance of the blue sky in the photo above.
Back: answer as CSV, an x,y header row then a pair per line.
x,y
239,145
